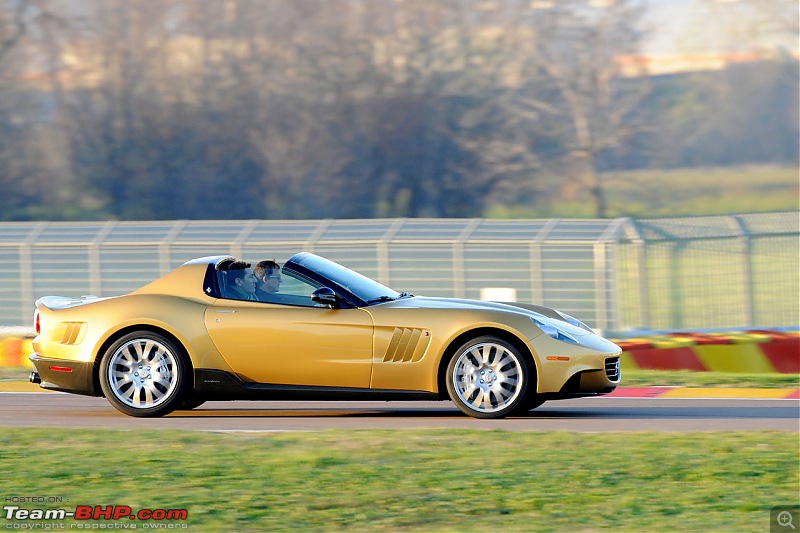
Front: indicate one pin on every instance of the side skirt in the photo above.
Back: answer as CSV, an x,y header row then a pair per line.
x,y
219,385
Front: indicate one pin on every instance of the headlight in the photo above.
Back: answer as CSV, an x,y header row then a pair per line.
x,y
574,321
549,328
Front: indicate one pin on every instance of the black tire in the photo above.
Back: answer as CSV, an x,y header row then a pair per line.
x,y
143,374
487,378
531,402
189,403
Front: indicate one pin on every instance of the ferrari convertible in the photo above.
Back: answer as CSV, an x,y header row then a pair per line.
x,y
199,333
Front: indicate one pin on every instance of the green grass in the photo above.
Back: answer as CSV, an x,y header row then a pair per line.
x,y
415,480
685,378
706,191
668,193
13,373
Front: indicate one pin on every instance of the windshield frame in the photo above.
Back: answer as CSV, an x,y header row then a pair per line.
x,y
355,288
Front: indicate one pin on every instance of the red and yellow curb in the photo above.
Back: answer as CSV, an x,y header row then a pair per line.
x,y
753,352
14,351
705,392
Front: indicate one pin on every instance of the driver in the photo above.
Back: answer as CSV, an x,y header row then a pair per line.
x,y
268,279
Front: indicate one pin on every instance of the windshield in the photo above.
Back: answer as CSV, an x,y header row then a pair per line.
x,y
362,287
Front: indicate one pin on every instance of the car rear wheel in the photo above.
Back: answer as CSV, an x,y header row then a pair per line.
x,y
142,374
487,378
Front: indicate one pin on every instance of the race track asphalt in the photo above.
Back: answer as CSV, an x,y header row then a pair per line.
x,y
603,414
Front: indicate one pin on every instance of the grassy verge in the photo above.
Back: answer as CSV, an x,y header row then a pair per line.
x,y
685,378
14,373
667,193
415,480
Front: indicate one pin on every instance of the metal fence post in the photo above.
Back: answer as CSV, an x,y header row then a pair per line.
x,y
95,266
605,275
25,262
747,266
311,241
676,285
382,251
165,246
459,276
537,277
600,298
241,237
642,279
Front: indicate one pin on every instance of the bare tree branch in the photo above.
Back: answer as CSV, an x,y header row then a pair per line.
x,y
17,27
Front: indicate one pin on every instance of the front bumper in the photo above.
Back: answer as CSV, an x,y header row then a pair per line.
x,y
62,375
569,370
590,382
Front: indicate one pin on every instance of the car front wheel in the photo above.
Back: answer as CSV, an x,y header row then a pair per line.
x,y
189,403
487,378
142,374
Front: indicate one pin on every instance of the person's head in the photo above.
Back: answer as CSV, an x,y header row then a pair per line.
x,y
241,277
268,273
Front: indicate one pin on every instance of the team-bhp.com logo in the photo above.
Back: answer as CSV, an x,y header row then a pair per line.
x,y
88,514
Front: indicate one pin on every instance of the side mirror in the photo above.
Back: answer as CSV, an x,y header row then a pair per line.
x,y
325,296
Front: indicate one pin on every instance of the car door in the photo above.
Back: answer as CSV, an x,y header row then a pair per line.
x,y
298,343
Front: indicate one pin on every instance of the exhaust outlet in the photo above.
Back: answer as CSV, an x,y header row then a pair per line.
x,y
35,378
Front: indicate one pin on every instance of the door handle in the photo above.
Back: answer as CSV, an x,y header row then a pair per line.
x,y
224,310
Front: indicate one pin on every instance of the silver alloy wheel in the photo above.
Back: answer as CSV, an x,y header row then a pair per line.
x,y
142,373
487,377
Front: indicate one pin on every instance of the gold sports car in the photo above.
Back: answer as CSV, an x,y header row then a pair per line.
x,y
329,334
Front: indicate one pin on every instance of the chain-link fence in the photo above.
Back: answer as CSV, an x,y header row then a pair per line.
x,y
617,275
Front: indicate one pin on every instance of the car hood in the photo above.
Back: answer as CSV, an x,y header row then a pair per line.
x,y
509,307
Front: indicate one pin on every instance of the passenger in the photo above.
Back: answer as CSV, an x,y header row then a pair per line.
x,y
268,276
241,282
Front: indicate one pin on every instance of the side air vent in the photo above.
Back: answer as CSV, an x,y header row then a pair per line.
x,y
71,332
407,345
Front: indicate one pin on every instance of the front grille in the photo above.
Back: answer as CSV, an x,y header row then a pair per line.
x,y
612,369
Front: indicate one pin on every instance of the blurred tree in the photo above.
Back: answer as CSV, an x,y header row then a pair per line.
x,y
585,106
13,24
746,112
23,177
12,27
143,138
743,114
350,108
423,124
